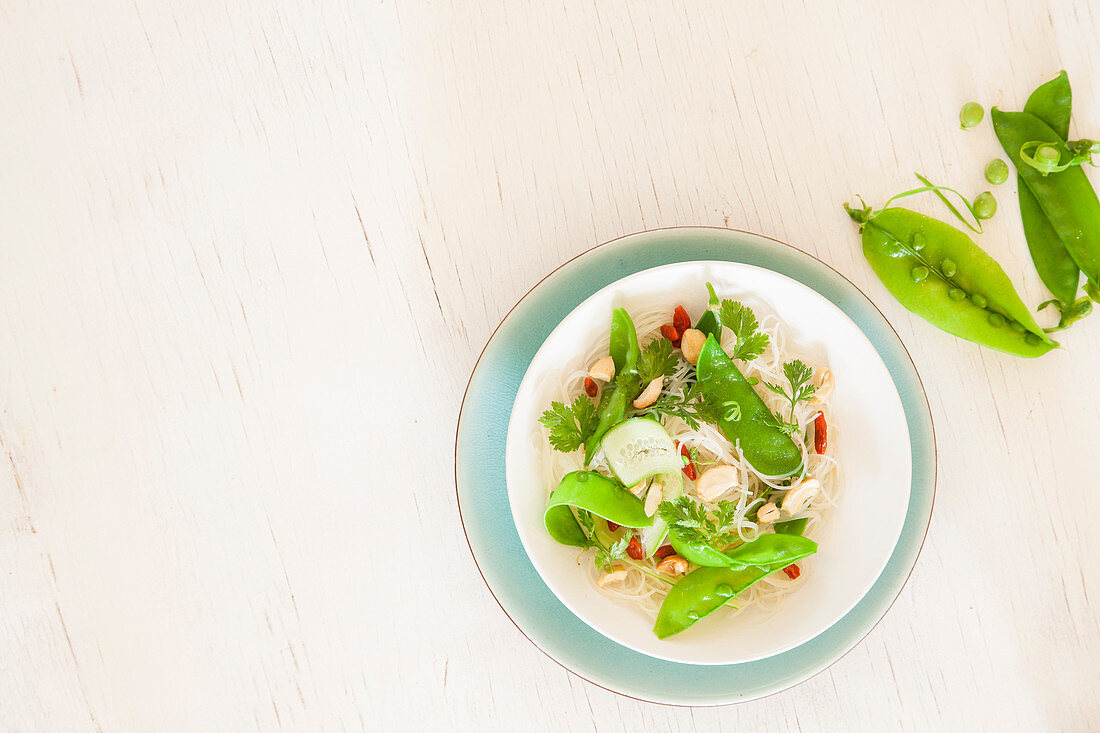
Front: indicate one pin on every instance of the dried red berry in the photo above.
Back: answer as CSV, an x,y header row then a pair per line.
x,y
590,387
670,333
681,321
792,572
634,549
611,526
689,467
821,433
664,551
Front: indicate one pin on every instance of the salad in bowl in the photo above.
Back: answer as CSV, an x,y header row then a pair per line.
x,y
691,461
708,462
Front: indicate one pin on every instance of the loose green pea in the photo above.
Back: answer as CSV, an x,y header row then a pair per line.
x,y
949,268
1047,154
971,115
956,294
979,300
996,320
985,206
996,171
918,273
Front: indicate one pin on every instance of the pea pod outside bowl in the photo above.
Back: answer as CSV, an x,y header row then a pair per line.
x,y
937,272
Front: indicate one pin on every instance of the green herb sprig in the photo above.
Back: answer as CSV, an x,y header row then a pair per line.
x,y
740,319
570,426
801,379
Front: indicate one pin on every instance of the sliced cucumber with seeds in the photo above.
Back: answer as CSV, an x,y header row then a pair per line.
x,y
639,448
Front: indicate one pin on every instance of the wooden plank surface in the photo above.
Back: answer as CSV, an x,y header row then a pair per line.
x,y
250,253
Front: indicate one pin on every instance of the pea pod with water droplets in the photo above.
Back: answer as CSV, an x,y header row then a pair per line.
x,y
593,493
706,589
939,273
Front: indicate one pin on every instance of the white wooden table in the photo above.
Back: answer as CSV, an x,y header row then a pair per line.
x,y
251,251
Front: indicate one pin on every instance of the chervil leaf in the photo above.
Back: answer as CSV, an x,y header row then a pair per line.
x,y
570,426
726,515
684,512
801,379
740,319
657,360
672,405
586,520
690,522
617,551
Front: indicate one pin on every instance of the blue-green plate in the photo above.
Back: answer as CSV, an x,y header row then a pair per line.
x,y
491,532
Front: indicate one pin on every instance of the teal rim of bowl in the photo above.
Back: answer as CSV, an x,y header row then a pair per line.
x,y
482,493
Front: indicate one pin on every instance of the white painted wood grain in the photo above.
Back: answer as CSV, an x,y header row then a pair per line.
x,y
227,229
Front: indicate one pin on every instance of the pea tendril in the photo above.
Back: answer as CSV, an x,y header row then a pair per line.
x,y
1046,158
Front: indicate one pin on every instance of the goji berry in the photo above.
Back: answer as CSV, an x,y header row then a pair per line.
x,y
681,321
689,467
664,551
821,433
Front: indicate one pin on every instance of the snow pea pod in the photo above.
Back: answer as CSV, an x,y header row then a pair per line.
x,y
624,341
594,493
768,551
792,526
706,589
1066,198
697,552
699,593
771,552
743,416
708,322
940,274
625,352
1052,103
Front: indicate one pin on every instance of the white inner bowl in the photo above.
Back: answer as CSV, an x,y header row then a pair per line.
x,y
869,438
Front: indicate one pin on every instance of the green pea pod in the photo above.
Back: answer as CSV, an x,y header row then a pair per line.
x,y
744,418
625,352
771,552
699,593
624,342
792,526
1066,198
1051,103
940,274
696,551
594,493
612,412
708,323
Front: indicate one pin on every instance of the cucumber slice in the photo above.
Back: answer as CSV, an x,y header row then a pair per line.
x,y
638,448
653,536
